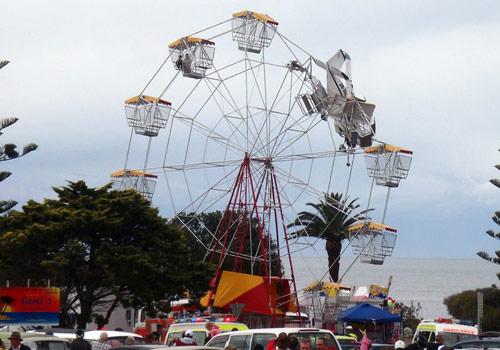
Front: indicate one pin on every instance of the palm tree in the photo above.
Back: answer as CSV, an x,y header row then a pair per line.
x,y
5,301
333,216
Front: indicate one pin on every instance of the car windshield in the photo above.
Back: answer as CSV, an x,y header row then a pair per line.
x,y
47,345
123,340
198,337
453,338
316,338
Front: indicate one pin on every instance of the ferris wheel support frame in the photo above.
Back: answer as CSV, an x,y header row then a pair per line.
x,y
245,203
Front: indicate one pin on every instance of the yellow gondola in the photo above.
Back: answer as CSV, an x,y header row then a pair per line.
x,y
193,56
388,164
372,241
253,30
138,180
147,114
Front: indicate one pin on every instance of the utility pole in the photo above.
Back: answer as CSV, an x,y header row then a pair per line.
x,y
480,306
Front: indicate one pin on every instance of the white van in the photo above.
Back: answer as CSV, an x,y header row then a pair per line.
x,y
254,339
452,332
69,334
200,332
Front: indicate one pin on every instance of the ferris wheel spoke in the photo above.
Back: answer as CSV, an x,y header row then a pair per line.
x,y
300,136
255,81
291,205
268,115
256,138
289,124
209,132
316,193
307,156
304,226
195,166
202,202
255,130
228,118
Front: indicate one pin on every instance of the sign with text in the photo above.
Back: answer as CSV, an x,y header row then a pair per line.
x,y
29,306
377,291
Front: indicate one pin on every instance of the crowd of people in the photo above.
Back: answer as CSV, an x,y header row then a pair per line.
x,y
282,342
103,343
420,344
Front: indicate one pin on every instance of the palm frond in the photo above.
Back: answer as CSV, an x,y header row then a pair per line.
x,y
4,63
330,219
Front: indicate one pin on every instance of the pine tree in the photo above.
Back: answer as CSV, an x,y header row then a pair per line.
x,y
496,219
9,152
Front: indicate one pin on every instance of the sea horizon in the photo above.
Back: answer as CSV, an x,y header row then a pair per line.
x,y
419,280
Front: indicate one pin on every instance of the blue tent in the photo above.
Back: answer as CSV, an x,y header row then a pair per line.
x,y
367,313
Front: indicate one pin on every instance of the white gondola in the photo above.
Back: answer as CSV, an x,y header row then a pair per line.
x,y
253,30
317,101
138,180
193,56
372,242
146,114
388,164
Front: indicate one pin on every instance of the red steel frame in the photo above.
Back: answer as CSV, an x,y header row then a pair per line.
x,y
252,203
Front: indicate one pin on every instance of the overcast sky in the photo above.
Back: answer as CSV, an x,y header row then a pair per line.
x,y
431,67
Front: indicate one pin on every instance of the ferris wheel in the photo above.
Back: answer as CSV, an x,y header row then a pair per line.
x,y
254,127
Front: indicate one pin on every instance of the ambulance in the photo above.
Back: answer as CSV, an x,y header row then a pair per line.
x,y
453,332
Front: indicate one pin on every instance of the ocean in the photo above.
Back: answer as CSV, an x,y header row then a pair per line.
x,y
427,281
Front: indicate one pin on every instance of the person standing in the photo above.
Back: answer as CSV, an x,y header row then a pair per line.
x,y
437,344
102,343
79,343
212,329
187,339
282,342
366,343
399,345
15,342
293,342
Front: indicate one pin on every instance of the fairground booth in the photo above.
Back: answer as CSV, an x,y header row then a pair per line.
x,y
381,326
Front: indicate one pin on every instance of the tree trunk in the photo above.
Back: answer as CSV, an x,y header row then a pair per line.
x,y
111,308
333,249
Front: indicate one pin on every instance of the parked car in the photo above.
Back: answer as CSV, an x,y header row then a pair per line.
x,y
486,343
162,347
357,346
452,332
38,341
345,339
69,334
200,332
254,338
